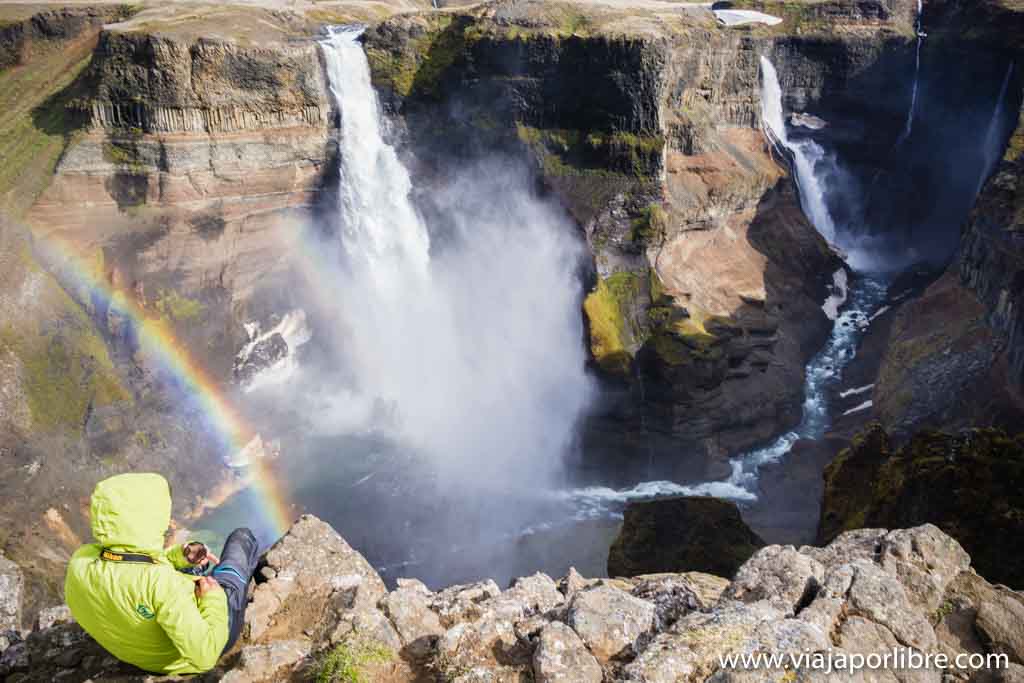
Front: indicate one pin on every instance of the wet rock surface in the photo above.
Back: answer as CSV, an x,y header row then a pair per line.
x,y
860,594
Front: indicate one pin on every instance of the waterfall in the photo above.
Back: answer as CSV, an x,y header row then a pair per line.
x,y
908,126
806,154
380,225
991,146
470,342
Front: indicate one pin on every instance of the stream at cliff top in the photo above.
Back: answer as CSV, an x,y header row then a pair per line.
x,y
433,427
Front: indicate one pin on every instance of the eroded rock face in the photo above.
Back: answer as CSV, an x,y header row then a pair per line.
x,y
708,279
858,595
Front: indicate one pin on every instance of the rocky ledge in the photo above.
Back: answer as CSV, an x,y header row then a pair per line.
x,y
320,611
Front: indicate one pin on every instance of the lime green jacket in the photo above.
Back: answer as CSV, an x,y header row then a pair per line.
x,y
144,614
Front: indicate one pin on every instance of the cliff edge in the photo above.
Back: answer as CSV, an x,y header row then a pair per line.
x,y
320,611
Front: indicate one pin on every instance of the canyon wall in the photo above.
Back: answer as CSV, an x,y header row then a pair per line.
x,y
707,280
158,166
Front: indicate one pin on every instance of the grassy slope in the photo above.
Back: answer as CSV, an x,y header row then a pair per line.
x,y
64,364
35,123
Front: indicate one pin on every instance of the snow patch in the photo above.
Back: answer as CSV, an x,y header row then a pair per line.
x,y
854,392
739,17
838,296
863,406
807,121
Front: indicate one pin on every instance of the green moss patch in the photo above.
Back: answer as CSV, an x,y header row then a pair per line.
x,y
349,662
66,371
564,152
178,308
39,115
649,228
418,67
607,323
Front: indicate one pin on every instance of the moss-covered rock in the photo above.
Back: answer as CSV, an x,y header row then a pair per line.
x,y
608,313
970,485
681,535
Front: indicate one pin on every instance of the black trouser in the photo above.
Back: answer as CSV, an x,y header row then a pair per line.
x,y
237,565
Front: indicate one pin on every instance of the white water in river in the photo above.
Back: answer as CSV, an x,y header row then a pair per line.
x,y
471,345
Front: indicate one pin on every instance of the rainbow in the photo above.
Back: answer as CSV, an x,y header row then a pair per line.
x,y
157,341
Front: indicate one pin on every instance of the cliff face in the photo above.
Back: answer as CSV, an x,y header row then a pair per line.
x,y
965,483
201,158
955,355
707,281
320,611
991,260
146,168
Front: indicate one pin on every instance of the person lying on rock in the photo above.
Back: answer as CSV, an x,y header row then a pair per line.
x,y
151,607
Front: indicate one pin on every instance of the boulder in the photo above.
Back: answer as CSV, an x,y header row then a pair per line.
x,y
676,595
1001,622
316,578
538,593
487,649
268,663
561,657
459,603
682,534
417,625
926,561
12,596
610,621
780,575
51,616
689,650
880,597
573,582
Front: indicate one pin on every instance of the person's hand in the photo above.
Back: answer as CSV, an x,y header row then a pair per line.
x,y
205,585
199,555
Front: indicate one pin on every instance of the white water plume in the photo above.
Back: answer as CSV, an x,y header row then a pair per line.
x,y
473,344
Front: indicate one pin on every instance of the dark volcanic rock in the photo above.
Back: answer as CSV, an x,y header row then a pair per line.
x,y
682,534
970,485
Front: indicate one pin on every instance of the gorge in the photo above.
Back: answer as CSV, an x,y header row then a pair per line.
x,y
465,280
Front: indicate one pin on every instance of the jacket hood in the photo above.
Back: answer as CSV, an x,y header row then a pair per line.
x,y
131,511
